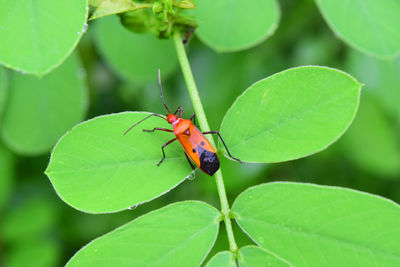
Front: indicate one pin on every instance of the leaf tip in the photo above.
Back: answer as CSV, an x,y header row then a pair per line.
x,y
48,171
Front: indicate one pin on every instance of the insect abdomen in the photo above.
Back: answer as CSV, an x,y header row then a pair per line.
x,y
209,162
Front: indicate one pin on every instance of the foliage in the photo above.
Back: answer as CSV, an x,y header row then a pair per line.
x,y
298,112
29,101
324,226
105,177
227,17
121,48
293,124
179,234
378,20
38,36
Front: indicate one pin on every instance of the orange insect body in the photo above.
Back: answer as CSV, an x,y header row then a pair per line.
x,y
194,143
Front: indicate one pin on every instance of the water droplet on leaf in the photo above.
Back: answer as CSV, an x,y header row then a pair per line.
x,y
85,27
192,176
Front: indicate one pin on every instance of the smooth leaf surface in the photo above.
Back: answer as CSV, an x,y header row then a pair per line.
x,y
95,168
235,25
3,91
180,234
40,110
37,36
223,258
382,154
7,173
134,57
310,225
381,78
291,114
368,25
252,256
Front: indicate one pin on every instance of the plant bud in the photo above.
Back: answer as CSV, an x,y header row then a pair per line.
x,y
185,4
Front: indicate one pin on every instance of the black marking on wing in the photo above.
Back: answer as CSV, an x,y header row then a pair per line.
x,y
202,143
209,161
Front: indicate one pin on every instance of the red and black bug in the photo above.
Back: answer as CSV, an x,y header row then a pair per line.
x,y
193,141
188,35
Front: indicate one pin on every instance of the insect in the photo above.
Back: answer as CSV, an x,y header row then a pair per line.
x,y
188,35
194,143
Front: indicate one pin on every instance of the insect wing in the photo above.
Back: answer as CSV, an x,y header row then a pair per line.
x,y
199,150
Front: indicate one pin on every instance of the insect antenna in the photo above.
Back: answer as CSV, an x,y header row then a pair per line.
x,y
152,114
162,94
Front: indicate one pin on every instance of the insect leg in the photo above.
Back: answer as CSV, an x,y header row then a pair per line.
x,y
193,118
162,149
227,150
191,164
158,129
180,111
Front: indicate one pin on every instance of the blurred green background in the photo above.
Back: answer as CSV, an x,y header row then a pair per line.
x,y
38,229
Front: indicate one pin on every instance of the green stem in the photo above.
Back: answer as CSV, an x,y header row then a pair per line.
x,y
202,119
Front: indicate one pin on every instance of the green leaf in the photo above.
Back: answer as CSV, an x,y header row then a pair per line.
x,y
3,90
381,78
37,36
7,173
134,57
382,154
37,252
228,26
40,110
255,256
95,3
97,169
110,7
180,234
370,26
223,258
30,219
310,225
291,114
